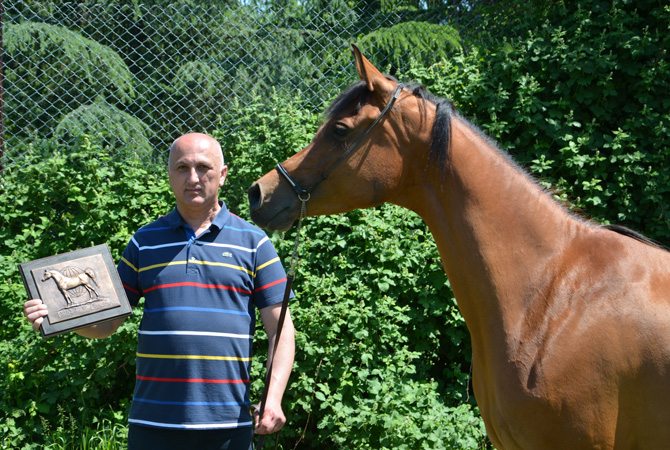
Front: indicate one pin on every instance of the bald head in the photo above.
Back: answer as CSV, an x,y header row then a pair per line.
x,y
200,143
196,172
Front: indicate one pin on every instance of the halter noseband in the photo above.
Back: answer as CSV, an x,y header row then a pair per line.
x,y
305,194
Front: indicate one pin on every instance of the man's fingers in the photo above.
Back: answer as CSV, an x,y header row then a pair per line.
x,y
32,306
37,323
254,413
271,423
32,302
35,312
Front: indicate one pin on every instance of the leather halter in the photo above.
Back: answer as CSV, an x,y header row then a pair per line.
x,y
305,194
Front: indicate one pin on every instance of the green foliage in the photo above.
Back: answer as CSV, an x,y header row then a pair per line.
x,y
383,353
61,199
77,69
396,46
582,101
120,129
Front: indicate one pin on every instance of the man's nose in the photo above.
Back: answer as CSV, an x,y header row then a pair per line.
x,y
193,176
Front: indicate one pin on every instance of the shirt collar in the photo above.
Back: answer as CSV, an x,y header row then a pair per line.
x,y
175,220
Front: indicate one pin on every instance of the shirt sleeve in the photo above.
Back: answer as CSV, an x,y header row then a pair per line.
x,y
128,269
270,277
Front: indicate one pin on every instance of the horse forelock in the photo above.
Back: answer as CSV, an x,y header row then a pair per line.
x,y
355,93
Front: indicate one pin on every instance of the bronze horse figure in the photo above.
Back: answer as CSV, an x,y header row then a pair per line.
x,y
569,320
65,283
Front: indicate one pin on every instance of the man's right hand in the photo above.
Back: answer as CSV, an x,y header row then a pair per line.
x,y
35,310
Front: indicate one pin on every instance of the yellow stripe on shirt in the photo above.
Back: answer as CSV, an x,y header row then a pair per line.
x,y
267,263
195,261
128,264
207,357
230,266
171,263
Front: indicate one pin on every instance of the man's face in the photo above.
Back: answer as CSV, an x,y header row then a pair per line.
x,y
196,173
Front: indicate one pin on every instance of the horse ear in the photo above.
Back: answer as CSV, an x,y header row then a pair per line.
x,y
367,72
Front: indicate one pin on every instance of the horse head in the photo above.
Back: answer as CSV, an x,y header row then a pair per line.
x,y
356,158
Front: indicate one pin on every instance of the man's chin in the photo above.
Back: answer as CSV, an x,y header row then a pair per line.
x,y
197,202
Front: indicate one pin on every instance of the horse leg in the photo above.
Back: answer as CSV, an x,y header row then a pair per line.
x,y
91,291
68,300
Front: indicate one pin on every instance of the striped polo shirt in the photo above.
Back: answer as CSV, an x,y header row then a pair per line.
x,y
195,339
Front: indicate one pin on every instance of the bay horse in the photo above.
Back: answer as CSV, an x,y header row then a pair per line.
x,y
569,320
65,283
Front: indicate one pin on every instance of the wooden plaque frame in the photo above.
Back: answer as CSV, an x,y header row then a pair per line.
x,y
80,288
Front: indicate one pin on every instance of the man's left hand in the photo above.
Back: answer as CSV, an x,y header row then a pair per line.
x,y
273,420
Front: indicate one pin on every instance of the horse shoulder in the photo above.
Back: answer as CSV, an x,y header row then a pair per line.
x,y
594,347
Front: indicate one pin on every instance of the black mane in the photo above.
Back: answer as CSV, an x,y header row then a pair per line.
x,y
441,133
635,235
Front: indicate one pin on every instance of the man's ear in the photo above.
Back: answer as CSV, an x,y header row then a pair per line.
x,y
224,174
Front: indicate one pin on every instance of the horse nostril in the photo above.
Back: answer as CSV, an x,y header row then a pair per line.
x,y
254,194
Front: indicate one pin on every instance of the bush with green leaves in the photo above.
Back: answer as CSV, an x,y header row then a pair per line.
x,y
61,199
383,354
581,100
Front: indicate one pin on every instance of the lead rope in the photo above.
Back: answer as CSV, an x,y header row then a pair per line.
x,y
294,256
290,278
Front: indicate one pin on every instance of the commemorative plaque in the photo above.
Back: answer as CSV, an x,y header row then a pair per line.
x,y
80,288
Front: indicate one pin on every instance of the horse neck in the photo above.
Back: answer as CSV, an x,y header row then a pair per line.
x,y
55,275
496,231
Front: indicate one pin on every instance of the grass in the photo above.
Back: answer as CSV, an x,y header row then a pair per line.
x,y
105,434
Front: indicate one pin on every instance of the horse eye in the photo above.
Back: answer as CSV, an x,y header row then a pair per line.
x,y
340,130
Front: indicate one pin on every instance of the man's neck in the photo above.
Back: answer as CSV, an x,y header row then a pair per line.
x,y
199,218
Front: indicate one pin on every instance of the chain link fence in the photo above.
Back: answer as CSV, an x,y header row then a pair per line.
x,y
142,74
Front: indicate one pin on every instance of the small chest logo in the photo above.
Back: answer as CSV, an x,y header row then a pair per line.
x,y
227,254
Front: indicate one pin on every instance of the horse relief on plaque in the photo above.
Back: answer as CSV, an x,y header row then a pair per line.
x,y
80,288
75,288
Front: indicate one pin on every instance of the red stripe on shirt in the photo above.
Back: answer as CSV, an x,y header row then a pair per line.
x,y
202,285
281,280
191,380
130,289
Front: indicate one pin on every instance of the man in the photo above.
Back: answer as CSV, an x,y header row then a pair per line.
x,y
201,271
